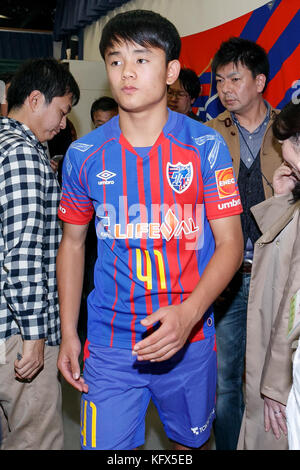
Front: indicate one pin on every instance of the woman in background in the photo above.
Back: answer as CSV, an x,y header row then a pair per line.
x,y
275,281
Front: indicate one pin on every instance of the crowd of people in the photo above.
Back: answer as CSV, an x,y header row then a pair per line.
x,y
166,246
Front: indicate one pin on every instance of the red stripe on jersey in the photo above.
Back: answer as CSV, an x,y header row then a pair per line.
x,y
104,188
155,168
187,253
72,197
67,202
86,180
183,260
131,297
76,216
154,163
171,252
143,240
89,156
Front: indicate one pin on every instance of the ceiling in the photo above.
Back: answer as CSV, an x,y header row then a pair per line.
x,y
27,14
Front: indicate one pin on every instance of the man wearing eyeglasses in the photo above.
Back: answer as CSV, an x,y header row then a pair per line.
x,y
183,93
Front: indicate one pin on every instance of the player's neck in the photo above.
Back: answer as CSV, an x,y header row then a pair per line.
x,y
142,129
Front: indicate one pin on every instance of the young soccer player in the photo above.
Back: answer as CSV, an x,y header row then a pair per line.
x,y
169,241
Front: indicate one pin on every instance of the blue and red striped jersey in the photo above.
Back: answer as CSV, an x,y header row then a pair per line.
x,y
152,212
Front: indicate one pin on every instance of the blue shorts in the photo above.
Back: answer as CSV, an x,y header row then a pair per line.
x,y
182,388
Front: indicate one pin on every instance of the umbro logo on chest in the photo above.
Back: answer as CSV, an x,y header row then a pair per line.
x,y
105,177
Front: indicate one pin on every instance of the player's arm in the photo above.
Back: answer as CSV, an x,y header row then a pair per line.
x,y
177,321
70,271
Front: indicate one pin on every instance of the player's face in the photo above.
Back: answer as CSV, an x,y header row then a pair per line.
x,y
178,99
49,119
100,117
138,76
237,89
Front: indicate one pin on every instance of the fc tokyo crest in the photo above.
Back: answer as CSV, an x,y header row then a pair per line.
x,y
179,176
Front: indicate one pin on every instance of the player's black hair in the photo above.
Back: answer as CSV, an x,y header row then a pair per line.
x,y
49,76
144,27
248,53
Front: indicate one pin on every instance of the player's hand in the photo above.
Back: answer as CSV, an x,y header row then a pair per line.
x,y
31,360
284,180
68,363
176,324
275,417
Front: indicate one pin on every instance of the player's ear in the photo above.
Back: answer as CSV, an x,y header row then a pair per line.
x,y
173,70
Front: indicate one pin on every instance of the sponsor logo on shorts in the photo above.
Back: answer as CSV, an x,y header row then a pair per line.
x,y
226,183
199,429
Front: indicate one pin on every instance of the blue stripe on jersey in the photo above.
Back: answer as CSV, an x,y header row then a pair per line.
x,y
164,244
150,242
178,240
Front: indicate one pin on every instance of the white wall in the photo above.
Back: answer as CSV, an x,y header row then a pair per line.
x,y
92,82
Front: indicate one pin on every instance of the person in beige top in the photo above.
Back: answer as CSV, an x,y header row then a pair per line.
x,y
241,68
275,280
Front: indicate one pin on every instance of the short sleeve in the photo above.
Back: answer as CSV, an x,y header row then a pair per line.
x,y
75,206
221,193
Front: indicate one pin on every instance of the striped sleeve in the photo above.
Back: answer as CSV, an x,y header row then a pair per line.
x,y
221,193
75,206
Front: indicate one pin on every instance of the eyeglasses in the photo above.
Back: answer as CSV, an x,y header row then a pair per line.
x,y
177,94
